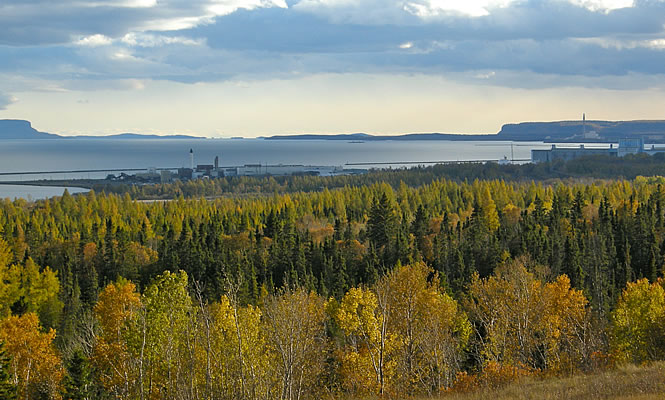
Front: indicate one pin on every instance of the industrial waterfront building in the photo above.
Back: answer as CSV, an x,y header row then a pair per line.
x,y
626,146
204,171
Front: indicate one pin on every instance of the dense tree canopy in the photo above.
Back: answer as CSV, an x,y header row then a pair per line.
x,y
398,287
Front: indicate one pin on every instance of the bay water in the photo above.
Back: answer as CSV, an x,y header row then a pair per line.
x,y
115,154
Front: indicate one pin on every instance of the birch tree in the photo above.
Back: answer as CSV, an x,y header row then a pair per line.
x,y
296,333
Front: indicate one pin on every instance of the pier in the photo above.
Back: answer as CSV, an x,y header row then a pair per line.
x,y
253,173
84,171
447,162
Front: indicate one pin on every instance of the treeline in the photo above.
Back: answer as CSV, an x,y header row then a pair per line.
x,y
602,235
469,245
403,336
600,167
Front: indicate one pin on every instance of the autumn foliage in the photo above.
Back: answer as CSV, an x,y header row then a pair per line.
x,y
35,367
367,290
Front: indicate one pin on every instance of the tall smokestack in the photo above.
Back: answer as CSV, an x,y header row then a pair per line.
x,y
191,159
584,123
216,162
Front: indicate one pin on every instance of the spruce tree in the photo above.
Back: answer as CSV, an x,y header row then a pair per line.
x,y
572,265
7,389
380,223
78,382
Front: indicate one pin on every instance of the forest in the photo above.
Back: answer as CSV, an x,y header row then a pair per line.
x,y
410,285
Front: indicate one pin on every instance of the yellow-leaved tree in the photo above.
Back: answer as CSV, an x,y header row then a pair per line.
x,y
521,322
159,339
27,289
569,334
6,295
638,322
405,336
239,365
441,335
294,324
116,309
36,368
433,332
367,364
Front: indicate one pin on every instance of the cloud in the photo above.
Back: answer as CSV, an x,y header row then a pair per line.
x,y
437,8
94,40
210,40
6,100
551,38
47,22
152,40
404,11
604,5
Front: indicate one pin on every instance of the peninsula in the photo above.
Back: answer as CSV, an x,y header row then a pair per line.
x,y
21,129
560,131
652,131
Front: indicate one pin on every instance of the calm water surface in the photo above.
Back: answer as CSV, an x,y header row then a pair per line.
x,y
35,192
81,154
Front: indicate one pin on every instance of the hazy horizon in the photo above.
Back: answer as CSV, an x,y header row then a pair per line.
x,y
223,68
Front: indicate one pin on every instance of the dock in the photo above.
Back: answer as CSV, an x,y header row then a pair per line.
x,y
447,162
83,171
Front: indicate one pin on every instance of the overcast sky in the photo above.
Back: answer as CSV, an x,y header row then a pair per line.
x,y
261,67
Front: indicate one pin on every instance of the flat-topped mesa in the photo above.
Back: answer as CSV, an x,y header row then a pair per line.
x,y
21,129
578,131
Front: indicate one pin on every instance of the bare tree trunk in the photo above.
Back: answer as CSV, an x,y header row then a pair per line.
x,y
143,341
206,320
240,355
382,295
232,294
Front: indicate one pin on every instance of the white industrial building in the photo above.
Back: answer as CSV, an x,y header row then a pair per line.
x,y
215,170
281,170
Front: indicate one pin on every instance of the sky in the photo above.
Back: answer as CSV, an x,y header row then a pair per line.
x,y
222,68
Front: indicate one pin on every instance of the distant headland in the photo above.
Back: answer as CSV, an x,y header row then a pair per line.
x,y
21,129
560,131
652,131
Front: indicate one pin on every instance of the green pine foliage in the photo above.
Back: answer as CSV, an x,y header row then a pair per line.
x,y
78,382
7,388
328,236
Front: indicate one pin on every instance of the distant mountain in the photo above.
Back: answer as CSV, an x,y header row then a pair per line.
x,y
559,131
314,136
366,137
607,131
134,136
20,129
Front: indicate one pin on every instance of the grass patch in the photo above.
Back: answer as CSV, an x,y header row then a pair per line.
x,y
626,382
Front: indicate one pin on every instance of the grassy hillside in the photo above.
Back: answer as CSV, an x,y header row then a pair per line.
x,y
627,382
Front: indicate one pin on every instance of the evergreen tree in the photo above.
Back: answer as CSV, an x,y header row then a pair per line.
x,y
7,389
78,381
572,264
381,222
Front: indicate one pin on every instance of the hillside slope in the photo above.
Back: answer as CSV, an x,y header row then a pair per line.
x,y
652,131
20,129
627,382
